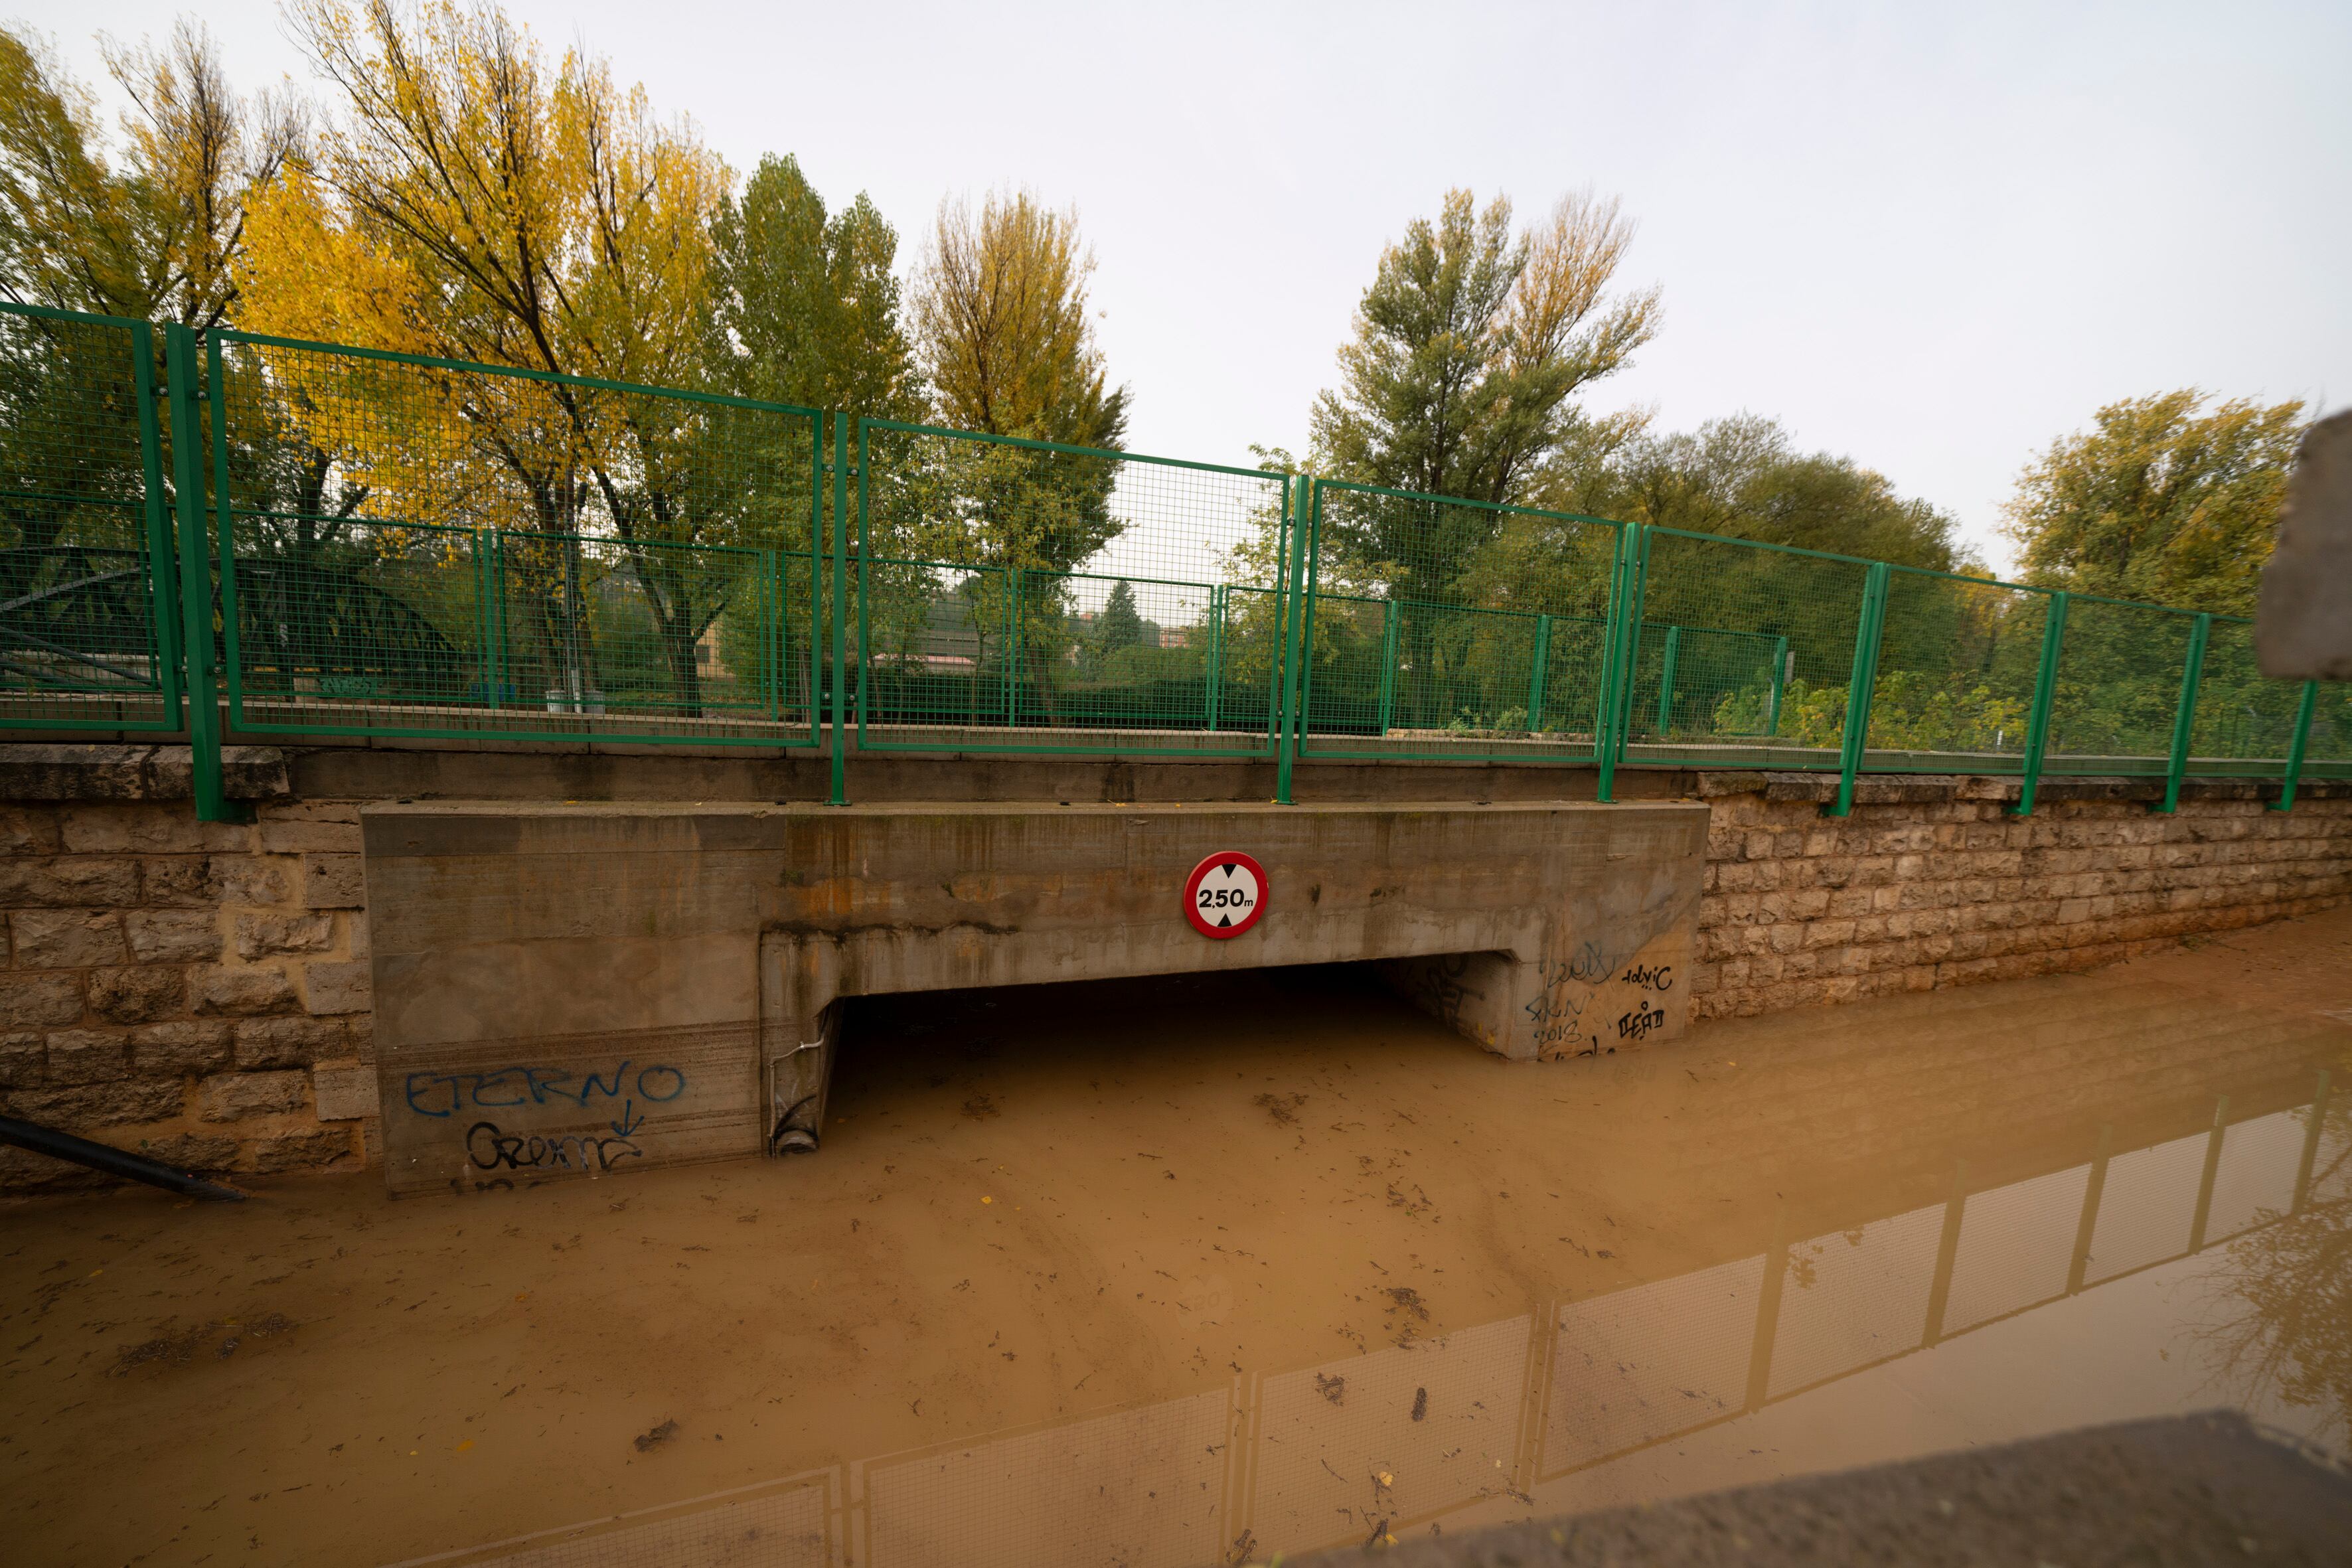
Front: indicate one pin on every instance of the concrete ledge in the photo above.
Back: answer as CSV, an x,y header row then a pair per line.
x,y
55,771
444,769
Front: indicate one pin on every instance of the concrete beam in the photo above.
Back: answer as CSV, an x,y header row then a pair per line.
x,y
587,988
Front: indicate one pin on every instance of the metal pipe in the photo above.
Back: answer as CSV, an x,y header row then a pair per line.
x,y
114,1162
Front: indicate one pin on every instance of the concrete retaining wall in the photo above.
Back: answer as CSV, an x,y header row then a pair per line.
x,y
201,990
567,989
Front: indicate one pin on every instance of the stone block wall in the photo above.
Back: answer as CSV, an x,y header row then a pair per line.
x,y
1934,884
196,992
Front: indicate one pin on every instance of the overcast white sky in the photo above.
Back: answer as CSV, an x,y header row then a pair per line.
x,y
1930,237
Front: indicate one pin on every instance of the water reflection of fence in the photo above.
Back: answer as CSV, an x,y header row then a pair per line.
x,y
1405,1436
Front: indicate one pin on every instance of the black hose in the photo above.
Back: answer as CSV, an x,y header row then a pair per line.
x,y
114,1162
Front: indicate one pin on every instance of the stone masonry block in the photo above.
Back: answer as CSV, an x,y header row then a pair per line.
x,y
177,881
66,938
230,1097
289,1042
23,1060
191,1151
252,879
243,993
318,828
332,882
29,999
87,1055
174,1050
345,1091
173,936
97,1104
139,993
29,830
267,935
67,881
165,828
338,986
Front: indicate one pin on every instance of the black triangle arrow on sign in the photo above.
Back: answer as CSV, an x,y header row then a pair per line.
x,y
1231,867
1225,920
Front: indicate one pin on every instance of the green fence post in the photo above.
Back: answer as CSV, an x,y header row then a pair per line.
x,y
1012,647
837,611
1620,649
1213,658
1779,684
2184,716
195,573
163,580
1858,688
2295,748
1389,619
2045,689
1666,681
1536,672
1297,503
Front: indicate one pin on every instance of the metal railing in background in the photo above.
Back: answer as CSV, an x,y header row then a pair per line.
x,y
88,638
415,547
1439,629
1025,596
353,542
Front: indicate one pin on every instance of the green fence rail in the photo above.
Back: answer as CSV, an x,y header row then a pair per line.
x,y
357,542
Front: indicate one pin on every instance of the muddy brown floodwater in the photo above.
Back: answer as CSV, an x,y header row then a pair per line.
x,y
1184,1272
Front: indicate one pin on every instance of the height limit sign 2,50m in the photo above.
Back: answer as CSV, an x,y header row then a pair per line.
x,y
1225,894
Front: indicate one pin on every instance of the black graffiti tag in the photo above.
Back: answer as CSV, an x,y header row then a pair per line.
x,y
1638,1022
488,1149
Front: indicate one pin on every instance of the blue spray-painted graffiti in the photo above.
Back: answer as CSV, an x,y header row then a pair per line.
x,y
444,1095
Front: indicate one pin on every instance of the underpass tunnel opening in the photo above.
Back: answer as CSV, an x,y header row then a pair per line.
x,y
912,1062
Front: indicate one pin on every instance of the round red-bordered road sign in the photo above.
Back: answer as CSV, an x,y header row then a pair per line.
x,y
1225,894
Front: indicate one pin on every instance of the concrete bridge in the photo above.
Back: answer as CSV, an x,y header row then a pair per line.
x,y
563,989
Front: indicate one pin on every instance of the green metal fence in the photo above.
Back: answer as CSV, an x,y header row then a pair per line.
x,y
87,636
416,547
1453,630
354,542
1016,596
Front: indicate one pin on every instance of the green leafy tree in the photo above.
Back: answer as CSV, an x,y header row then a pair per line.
x,y
1471,344
1742,478
1003,337
2163,500
1460,380
804,304
154,229
1118,627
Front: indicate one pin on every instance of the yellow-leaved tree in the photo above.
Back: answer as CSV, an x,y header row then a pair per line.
x,y
472,200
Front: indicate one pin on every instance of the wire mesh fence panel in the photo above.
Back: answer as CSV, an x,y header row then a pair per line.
x,y
418,547
2329,752
87,639
2117,692
1443,628
1958,660
1017,596
2243,724
1742,653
